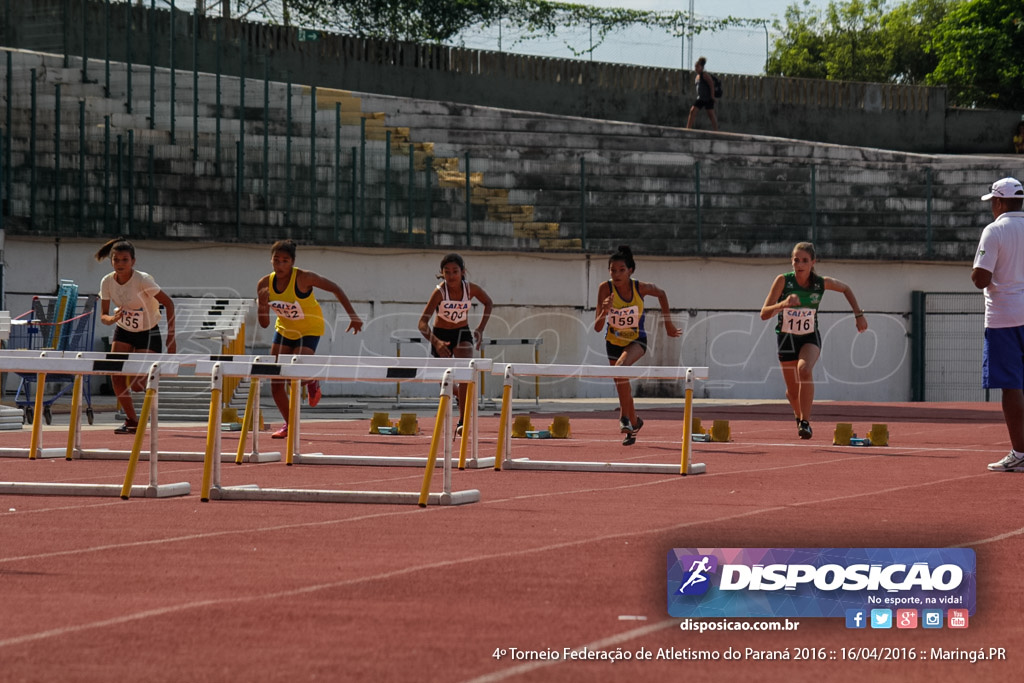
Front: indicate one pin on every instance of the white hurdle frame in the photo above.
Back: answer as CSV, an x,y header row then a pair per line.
x,y
75,450
43,364
469,448
212,487
503,456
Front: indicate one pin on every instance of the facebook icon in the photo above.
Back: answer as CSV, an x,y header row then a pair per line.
x,y
856,618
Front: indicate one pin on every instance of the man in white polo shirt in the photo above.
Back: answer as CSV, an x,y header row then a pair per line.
x,y
999,270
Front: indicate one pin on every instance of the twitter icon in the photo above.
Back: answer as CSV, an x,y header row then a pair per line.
x,y
881,618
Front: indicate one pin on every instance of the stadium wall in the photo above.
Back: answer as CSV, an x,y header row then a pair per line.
x,y
548,296
888,116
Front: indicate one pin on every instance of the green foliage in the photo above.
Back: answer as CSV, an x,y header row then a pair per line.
x,y
980,49
974,47
438,21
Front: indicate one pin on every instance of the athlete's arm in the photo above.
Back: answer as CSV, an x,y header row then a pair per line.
x,y
647,289
481,295
424,323
858,315
307,279
772,305
604,304
263,301
981,278
168,304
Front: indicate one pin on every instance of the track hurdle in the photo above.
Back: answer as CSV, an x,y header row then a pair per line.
x,y
294,373
468,445
79,367
75,450
503,456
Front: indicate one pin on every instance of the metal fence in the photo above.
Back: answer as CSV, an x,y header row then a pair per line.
x,y
176,153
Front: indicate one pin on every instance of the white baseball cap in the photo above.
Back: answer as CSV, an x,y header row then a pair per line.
x,y
1005,188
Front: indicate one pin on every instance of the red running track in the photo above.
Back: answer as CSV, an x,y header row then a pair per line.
x,y
178,590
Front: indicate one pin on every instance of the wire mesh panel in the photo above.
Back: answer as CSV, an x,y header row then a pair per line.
x,y
954,338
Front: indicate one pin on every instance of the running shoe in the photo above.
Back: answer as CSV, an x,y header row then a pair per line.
x,y
624,426
458,429
314,393
630,437
805,430
281,433
126,428
1013,462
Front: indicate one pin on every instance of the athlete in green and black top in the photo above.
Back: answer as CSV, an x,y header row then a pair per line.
x,y
794,298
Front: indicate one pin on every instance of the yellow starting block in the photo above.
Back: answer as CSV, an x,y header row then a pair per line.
x,y
843,434
696,427
521,425
560,429
879,435
720,431
408,425
379,420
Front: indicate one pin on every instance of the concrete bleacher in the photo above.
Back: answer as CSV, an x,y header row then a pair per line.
x,y
755,194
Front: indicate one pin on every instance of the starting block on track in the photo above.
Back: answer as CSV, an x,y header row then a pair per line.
x,y
79,367
503,457
294,373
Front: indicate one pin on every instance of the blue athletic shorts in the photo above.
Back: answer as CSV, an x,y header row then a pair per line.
x,y
1003,360
310,342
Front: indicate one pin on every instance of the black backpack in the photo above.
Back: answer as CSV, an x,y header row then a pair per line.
x,y
718,85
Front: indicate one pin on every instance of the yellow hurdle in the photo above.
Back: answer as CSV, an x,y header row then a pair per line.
x,y
76,402
435,441
37,416
140,433
293,421
251,402
506,409
212,427
688,419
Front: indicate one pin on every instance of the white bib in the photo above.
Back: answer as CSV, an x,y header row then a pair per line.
x,y
456,312
798,320
624,318
289,310
131,320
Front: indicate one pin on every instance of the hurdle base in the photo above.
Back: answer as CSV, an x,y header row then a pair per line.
x,y
23,453
620,467
384,461
170,456
330,496
100,490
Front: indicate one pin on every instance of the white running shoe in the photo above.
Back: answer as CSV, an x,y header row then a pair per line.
x,y
1013,462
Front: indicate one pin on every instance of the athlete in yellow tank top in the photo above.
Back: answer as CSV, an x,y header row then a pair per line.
x,y
300,319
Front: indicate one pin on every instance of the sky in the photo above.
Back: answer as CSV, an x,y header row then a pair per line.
x,y
737,51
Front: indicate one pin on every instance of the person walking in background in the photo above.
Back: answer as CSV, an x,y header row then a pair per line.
x,y
136,298
794,297
449,303
705,95
288,292
620,309
1018,138
999,270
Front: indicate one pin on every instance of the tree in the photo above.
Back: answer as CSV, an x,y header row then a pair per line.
x,y
855,40
979,46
